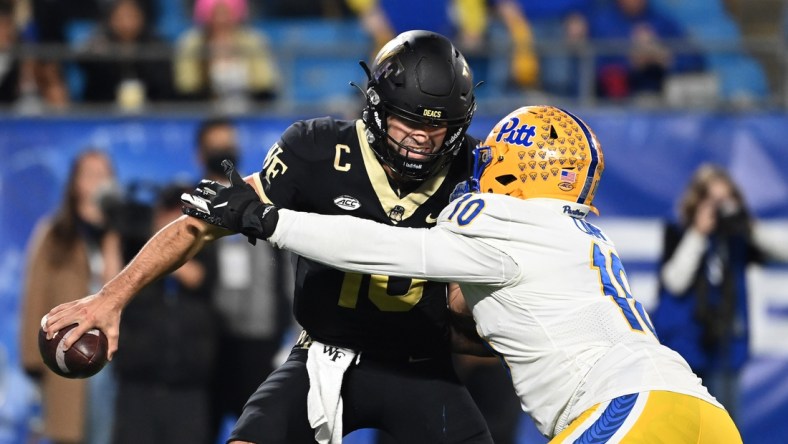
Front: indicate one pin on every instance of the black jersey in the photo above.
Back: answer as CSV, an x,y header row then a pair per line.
x,y
326,166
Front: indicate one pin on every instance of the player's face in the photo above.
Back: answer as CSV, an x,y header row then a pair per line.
x,y
94,174
217,144
418,138
222,17
220,138
720,194
127,21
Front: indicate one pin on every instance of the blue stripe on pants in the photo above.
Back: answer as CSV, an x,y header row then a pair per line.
x,y
611,420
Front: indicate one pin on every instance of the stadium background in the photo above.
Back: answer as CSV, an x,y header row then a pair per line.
x,y
651,150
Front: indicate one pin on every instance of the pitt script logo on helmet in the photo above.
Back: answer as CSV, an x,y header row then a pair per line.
x,y
540,151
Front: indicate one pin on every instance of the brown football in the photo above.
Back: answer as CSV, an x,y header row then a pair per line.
x,y
85,358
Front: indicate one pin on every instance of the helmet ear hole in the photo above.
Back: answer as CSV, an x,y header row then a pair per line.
x,y
506,179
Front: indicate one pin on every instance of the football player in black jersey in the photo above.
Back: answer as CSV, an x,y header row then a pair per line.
x,y
398,165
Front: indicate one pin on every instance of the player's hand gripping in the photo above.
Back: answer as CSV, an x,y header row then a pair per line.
x,y
95,311
236,208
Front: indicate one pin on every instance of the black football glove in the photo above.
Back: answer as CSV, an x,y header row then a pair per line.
x,y
236,208
198,203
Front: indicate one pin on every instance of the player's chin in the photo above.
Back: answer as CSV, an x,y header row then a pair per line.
x,y
417,154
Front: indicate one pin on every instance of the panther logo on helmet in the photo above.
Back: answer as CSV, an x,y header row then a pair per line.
x,y
570,142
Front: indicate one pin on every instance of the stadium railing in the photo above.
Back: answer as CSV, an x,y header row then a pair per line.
x,y
316,74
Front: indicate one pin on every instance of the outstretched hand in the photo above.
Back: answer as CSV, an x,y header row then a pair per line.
x,y
94,311
236,207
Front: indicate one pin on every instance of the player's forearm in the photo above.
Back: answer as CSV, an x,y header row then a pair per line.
x,y
770,239
351,244
167,250
678,271
363,246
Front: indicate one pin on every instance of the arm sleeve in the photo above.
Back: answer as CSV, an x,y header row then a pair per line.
x,y
363,246
771,241
679,269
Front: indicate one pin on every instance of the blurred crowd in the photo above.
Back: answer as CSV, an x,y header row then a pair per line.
x,y
133,53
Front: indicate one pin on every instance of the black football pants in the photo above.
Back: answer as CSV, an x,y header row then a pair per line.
x,y
421,402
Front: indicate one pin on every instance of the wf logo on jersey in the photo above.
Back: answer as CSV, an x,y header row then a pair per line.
x,y
515,134
273,165
333,352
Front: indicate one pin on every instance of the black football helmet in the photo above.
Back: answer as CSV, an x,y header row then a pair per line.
x,y
420,77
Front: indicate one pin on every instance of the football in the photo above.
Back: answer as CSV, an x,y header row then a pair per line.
x,y
85,358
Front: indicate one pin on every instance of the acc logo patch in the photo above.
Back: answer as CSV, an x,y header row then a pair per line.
x,y
346,202
566,186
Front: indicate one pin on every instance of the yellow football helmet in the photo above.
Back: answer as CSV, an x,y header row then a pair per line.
x,y
540,151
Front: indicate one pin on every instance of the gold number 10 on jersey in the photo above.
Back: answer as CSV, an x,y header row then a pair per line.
x,y
618,291
378,292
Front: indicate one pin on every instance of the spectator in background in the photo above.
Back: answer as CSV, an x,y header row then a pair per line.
x,y
223,59
288,9
10,66
165,369
556,69
702,312
51,20
384,19
52,17
71,254
466,22
463,22
115,71
253,296
524,67
650,58
24,82
562,71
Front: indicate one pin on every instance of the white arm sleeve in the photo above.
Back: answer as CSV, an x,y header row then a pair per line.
x,y
771,239
678,271
363,246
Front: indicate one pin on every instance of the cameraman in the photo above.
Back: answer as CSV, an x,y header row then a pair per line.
x,y
128,211
703,291
167,363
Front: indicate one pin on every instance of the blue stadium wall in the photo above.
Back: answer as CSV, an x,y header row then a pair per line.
x,y
649,158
